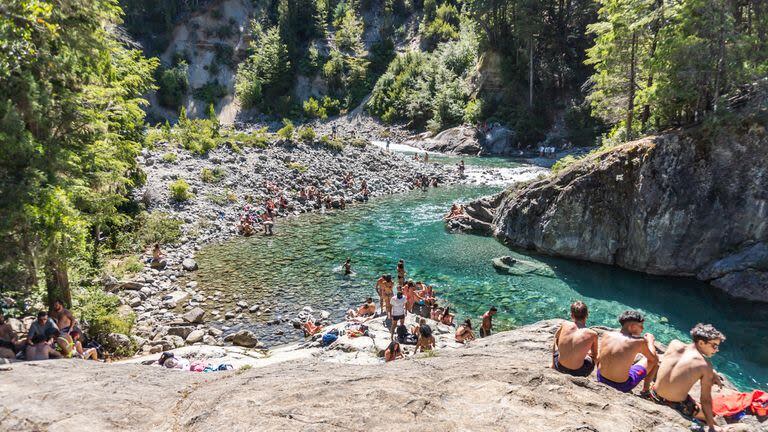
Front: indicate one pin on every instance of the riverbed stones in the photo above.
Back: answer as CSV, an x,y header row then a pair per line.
x,y
118,341
194,316
245,338
189,264
181,331
195,336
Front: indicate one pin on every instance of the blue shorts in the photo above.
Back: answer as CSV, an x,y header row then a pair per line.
x,y
636,374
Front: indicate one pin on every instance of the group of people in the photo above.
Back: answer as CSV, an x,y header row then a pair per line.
x,y
250,218
456,212
577,350
547,151
51,336
424,158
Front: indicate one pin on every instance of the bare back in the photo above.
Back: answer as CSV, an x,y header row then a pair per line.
x,y
617,355
7,333
574,344
39,351
681,367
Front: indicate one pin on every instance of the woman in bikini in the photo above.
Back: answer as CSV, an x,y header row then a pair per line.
x,y
464,333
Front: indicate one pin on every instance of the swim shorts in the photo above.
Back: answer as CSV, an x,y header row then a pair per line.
x,y
636,374
688,407
484,333
585,369
396,318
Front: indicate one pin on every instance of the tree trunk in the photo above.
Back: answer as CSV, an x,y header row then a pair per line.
x,y
57,279
530,76
656,28
631,92
30,263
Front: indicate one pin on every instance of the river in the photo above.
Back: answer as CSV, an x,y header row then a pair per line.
x,y
299,266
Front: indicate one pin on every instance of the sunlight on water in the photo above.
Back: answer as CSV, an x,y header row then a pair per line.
x,y
299,266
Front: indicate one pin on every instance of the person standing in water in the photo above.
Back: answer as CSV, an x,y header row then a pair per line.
x,y
487,325
348,266
400,273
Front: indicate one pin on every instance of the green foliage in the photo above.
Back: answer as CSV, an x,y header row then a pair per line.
x,y
306,134
180,190
212,175
331,144
257,138
321,109
286,132
157,227
71,128
444,26
127,266
473,111
349,36
196,135
265,74
564,162
210,93
173,84
358,142
100,311
169,157
427,89
296,166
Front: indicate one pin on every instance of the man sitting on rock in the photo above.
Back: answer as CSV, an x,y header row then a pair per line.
x,y
65,321
8,340
575,345
158,259
684,365
40,348
616,360
41,326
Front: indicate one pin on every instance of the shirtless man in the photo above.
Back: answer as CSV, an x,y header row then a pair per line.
x,y
8,339
573,341
487,325
384,287
367,309
683,365
616,365
40,349
348,266
63,317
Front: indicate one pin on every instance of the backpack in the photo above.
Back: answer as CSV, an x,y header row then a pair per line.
x,y
328,339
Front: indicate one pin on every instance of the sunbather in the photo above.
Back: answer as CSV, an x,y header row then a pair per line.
x,y
575,345
426,341
464,333
86,354
682,366
393,352
616,359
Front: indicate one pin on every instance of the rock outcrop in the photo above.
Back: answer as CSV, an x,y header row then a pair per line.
x,y
469,141
499,383
687,203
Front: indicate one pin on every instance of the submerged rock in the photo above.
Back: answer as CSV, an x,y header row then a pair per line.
x,y
245,338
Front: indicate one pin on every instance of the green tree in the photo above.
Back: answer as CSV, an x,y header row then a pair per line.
x,y
265,74
71,125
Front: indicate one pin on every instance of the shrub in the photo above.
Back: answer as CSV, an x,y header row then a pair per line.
x,y
257,138
358,142
100,311
564,163
231,197
169,157
296,166
128,265
210,93
286,132
172,85
313,109
157,227
211,175
265,74
332,144
306,134
180,190
198,135
473,111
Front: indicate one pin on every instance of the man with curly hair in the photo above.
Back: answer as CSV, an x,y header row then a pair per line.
x,y
683,365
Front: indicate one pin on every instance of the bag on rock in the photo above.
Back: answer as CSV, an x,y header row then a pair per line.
x,y
329,338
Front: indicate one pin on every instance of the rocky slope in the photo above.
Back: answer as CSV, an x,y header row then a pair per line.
x,y
688,203
499,383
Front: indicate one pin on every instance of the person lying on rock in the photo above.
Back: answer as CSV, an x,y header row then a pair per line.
x,y
397,311
9,341
464,333
457,211
426,341
487,325
368,309
384,286
40,348
616,365
393,352
85,354
311,329
575,345
65,321
684,365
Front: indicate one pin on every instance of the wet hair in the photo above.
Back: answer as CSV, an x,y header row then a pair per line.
x,y
446,312
41,314
579,310
706,333
388,278
468,323
369,300
425,330
493,309
630,316
393,347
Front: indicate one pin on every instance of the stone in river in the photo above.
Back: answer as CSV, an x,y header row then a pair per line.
x,y
189,264
195,336
242,304
245,338
253,308
194,316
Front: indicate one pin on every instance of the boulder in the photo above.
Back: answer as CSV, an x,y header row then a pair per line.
x,y
119,341
181,331
195,336
194,316
245,338
17,325
176,341
189,264
130,286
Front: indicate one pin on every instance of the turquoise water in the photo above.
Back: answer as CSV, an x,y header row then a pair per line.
x,y
299,266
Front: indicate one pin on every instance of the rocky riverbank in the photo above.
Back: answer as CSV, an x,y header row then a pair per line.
x,y
168,304
687,203
498,383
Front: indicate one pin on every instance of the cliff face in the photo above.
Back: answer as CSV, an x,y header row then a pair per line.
x,y
689,203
